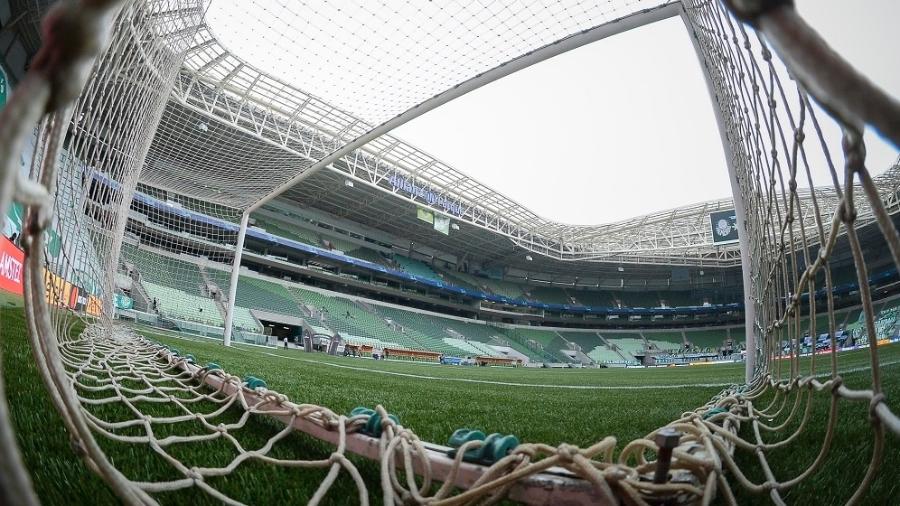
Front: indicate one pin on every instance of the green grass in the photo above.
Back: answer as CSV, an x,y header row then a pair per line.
x,y
538,408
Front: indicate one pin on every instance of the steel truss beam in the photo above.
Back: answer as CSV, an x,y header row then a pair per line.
x,y
217,84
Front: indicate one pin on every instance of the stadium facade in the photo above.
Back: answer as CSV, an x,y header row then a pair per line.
x,y
236,175
190,190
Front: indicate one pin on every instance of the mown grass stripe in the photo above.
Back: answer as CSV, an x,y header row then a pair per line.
x,y
501,383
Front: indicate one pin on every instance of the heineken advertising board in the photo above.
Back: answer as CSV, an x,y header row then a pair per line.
x,y
724,226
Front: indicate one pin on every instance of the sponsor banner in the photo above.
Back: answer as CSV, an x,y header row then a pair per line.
x,y
81,300
59,292
724,226
123,301
442,224
94,306
425,215
12,263
431,197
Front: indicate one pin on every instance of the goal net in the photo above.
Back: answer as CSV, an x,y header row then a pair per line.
x,y
132,191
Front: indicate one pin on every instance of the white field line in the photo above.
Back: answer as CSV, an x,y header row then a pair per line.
x,y
503,383
543,385
534,385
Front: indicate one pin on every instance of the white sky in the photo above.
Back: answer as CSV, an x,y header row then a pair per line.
x,y
624,126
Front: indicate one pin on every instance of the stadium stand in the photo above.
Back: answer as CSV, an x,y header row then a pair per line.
x,y
593,346
416,267
169,272
347,318
546,340
472,331
637,298
594,298
676,298
244,320
290,232
627,344
427,330
705,339
738,335
586,340
550,294
339,243
462,279
665,340
367,254
504,288
257,293
177,304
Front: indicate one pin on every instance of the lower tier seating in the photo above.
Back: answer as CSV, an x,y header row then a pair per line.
x,y
181,305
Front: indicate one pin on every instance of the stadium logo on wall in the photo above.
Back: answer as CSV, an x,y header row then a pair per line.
x,y
724,226
408,186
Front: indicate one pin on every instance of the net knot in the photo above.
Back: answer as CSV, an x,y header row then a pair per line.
x,y
567,452
836,383
195,474
848,215
873,405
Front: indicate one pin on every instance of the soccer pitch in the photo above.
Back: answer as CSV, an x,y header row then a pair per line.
x,y
538,405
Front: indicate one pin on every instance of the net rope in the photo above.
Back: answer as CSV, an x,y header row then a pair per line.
x,y
89,157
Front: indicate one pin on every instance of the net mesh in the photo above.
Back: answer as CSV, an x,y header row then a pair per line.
x,y
134,210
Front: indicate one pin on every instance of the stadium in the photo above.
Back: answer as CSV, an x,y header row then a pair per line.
x,y
223,286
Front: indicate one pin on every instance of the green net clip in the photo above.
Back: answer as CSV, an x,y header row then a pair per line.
x,y
212,366
190,359
495,447
174,351
373,426
713,412
253,382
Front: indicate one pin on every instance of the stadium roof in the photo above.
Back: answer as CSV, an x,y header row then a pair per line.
x,y
238,132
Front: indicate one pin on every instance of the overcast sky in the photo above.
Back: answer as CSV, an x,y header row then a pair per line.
x,y
624,126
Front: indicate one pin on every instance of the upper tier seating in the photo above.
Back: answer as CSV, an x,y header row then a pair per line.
x,y
298,234
463,280
339,243
549,294
174,303
504,288
593,298
637,298
416,267
679,299
367,254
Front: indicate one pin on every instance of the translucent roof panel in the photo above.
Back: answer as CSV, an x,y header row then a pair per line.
x,y
376,59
